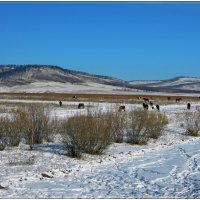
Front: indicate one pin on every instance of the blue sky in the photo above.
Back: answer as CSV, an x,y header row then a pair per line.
x,y
130,41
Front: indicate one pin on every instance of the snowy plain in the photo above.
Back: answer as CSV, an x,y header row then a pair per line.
x,y
97,88
165,168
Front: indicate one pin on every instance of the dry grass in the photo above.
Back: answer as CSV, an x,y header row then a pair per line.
x,y
32,124
32,121
87,134
192,123
9,133
143,125
94,97
117,122
93,132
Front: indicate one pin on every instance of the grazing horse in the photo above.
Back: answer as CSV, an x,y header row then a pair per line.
x,y
60,103
178,99
81,106
146,99
157,107
121,108
145,106
74,97
188,106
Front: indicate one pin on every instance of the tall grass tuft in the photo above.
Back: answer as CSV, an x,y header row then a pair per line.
x,y
143,125
34,123
118,121
9,133
31,123
89,133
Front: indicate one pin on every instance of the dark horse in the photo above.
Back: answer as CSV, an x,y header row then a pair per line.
x,y
157,107
81,106
74,97
188,106
121,108
145,106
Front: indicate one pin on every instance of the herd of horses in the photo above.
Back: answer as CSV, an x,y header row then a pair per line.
x,y
146,104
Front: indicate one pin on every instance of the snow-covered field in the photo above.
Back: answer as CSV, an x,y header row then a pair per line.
x,y
97,88
50,86
165,168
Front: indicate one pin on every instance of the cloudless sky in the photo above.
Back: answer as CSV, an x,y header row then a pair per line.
x,y
127,40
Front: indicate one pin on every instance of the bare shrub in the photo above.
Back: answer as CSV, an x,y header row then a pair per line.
x,y
2,145
192,122
9,135
2,139
155,124
143,125
87,134
2,136
117,124
34,123
31,123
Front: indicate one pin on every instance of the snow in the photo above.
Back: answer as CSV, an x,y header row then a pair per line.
x,y
165,168
51,86
143,82
185,83
97,88
181,80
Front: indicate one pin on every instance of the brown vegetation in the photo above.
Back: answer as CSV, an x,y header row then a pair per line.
x,y
143,125
94,97
192,123
87,134
32,124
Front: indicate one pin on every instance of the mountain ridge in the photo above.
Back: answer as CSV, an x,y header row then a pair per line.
x,y
33,73
18,77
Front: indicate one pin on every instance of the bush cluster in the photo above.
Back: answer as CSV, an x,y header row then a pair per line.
x,y
89,133
34,123
92,133
31,124
9,132
117,125
143,125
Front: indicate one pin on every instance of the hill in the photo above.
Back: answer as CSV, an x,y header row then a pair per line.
x,y
44,78
22,74
51,78
179,84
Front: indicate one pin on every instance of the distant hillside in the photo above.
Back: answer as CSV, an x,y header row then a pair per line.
x,y
12,75
177,84
50,78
